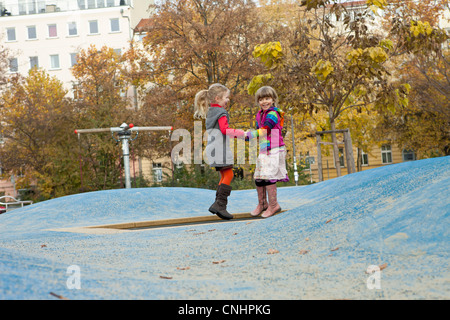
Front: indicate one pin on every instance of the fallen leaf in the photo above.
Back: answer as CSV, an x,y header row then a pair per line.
x,y
183,268
217,262
43,246
165,277
211,230
196,234
307,239
328,221
235,233
273,251
249,222
58,296
303,251
337,248
383,266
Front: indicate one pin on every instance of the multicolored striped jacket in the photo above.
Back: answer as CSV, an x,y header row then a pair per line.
x,y
269,124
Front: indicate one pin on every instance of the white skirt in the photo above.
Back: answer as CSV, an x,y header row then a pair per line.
x,y
272,166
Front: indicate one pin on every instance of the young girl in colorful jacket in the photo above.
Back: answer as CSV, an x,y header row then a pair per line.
x,y
271,162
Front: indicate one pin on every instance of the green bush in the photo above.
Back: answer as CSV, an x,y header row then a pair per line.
x,y
205,177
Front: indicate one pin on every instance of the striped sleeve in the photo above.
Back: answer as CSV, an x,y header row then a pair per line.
x,y
271,120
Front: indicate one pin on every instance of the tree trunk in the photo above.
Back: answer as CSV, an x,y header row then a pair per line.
x,y
335,148
359,161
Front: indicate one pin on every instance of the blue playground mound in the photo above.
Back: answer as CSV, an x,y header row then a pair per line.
x,y
395,217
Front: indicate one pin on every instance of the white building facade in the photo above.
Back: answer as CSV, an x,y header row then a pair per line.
x,y
48,34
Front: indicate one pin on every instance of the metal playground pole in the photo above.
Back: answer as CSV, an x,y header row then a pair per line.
x,y
124,133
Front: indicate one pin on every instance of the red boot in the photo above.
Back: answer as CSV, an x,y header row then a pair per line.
x,y
274,207
262,201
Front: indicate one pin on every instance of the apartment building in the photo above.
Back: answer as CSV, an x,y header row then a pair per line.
x,y
49,33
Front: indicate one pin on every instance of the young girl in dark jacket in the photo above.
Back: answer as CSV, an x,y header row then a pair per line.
x,y
212,105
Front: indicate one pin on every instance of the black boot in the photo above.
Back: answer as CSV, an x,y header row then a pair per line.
x,y
217,192
219,207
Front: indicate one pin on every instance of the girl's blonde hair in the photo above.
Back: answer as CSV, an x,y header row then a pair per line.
x,y
266,92
204,98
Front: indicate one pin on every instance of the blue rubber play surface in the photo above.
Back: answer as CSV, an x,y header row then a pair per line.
x,y
396,217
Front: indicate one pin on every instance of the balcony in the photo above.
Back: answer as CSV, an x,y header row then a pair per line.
x,y
26,7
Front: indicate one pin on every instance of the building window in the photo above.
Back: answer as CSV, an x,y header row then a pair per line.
x,y
73,59
54,61
75,91
22,7
11,34
157,172
115,26
364,159
408,155
41,6
141,36
73,31
92,4
13,65
27,6
32,8
52,31
446,45
32,32
386,154
34,62
110,3
93,27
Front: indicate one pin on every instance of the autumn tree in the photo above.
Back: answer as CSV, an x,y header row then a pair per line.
x,y
34,117
100,103
362,125
414,25
338,60
192,44
4,65
423,125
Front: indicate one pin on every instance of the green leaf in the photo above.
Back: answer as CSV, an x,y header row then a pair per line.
x,y
322,69
269,53
257,82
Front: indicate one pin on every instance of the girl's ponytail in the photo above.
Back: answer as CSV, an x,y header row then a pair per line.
x,y
203,99
201,104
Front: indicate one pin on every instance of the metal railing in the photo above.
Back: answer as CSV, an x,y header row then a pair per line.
x,y
124,134
12,203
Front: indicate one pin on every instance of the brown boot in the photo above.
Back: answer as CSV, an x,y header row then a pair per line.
x,y
219,207
262,201
274,207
